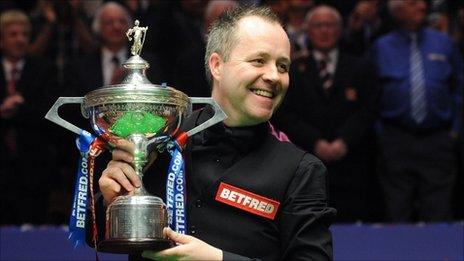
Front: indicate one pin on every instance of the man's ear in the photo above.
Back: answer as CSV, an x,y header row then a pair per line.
x,y
215,63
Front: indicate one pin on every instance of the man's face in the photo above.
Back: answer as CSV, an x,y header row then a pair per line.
x,y
113,27
412,12
14,40
253,82
323,30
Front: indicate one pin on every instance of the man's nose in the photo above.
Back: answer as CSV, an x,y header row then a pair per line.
x,y
271,74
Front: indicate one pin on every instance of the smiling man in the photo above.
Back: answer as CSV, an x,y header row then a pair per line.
x,y
250,196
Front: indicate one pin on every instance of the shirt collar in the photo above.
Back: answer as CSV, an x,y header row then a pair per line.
x,y
332,55
8,66
108,55
243,138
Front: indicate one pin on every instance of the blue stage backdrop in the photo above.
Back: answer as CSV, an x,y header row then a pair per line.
x,y
351,242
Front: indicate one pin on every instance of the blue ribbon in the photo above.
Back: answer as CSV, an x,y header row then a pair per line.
x,y
77,220
176,190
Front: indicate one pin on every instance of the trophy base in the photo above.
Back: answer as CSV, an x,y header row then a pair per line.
x,y
121,246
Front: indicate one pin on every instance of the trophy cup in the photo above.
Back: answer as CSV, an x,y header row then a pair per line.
x,y
146,116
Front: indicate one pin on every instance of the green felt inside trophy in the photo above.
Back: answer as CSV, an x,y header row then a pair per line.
x,y
132,122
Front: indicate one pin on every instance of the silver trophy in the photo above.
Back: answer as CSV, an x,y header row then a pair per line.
x,y
142,116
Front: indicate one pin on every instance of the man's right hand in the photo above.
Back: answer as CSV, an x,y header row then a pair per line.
x,y
119,177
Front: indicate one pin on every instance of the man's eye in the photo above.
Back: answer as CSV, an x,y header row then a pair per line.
x,y
258,61
283,67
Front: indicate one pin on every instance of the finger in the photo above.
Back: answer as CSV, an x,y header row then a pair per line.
x,y
125,145
128,171
177,237
109,189
117,174
109,185
123,155
173,253
157,256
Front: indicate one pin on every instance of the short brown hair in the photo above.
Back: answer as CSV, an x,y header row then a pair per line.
x,y
222,33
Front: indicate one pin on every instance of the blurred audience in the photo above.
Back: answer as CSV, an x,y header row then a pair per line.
x,y
27,158
364,25
190,77
279,7
60,31
439,22
175,26
421,76
330,109
295,26
104,65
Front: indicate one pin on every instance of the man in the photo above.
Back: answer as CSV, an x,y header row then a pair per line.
x,y
26,90
364,24
421,113
247,60
104,66
330,110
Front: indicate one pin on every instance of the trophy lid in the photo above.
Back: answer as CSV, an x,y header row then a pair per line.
x,y
135,87
136,105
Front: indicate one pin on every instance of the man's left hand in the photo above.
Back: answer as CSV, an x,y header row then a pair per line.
x,y
339,148
188,248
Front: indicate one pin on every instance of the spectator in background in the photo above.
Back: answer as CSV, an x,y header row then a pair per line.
x,y
365,24
178,26
421,75
60,31
438,21
26,90
297,9
104,66
279,7
190,75
329,111
458,33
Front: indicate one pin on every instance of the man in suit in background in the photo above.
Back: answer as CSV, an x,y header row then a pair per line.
x,y
421,75
26,90
329,111
104,66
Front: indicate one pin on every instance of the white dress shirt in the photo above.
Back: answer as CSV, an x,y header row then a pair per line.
x,y
8,67
108,65
332,61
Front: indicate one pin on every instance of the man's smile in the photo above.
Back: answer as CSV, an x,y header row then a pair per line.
x,y
263,93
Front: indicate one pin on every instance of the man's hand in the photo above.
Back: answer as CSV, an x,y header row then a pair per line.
x,y
48,11
119,176
323,150
338,148
331,151
188,248
10,105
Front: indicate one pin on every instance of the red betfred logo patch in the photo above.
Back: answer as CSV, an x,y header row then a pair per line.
x,y
247,201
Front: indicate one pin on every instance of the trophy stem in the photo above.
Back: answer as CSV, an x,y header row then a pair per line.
x,y
140,153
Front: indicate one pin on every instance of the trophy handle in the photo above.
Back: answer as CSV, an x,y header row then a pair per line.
x,y
219,115
53,115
